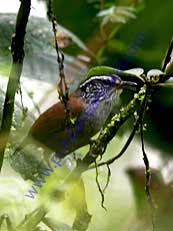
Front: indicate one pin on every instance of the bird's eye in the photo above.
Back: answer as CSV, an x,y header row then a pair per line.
x,y
113,80
118,82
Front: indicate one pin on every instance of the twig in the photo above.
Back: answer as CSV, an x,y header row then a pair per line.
x,y
17,50
147,178
145,158
99,146
99,187
129,140
108,178
102,191
139,122
146,162
63,89
110,161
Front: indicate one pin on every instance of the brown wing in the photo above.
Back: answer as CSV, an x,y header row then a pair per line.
x,y
51,124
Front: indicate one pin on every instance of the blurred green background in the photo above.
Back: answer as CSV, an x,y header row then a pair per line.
x,y
98,32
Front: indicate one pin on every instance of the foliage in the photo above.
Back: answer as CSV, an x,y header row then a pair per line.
x,y
107,29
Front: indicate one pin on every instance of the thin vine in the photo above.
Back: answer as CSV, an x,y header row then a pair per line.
x,y
62,87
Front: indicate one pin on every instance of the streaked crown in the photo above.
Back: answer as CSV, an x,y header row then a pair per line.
x,y
99,88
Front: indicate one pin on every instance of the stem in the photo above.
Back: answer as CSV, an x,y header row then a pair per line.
x,y
147,164
62,87
17,51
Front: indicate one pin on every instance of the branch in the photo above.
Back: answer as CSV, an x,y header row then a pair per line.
x,y
98,147
17,51
62,87
135,128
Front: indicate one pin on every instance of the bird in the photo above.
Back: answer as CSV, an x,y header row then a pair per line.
x,y
89,106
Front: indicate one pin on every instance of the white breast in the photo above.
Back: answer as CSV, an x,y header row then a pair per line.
x,y
103,109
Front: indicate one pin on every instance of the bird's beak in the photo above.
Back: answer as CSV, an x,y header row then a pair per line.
x,y
129,85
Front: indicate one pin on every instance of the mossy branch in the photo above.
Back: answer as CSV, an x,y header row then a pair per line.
x,y
98,146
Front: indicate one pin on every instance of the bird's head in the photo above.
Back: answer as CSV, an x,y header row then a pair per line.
x,y
104,88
